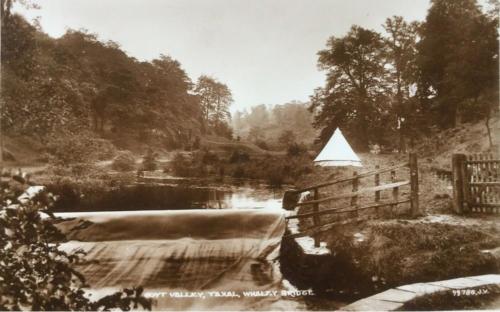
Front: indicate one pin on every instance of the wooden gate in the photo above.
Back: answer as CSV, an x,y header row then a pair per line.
x,y
476,183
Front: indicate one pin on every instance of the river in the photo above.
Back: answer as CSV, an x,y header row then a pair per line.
x,y
217,251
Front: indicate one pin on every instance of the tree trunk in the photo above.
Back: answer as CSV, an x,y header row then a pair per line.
x,y
487,123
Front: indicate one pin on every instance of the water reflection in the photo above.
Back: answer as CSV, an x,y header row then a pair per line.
x,y
173,197
243,198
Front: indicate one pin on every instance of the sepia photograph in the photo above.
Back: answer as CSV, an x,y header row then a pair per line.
x,y
249,155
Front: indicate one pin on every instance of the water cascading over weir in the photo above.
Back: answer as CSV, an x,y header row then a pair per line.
x,y
183,251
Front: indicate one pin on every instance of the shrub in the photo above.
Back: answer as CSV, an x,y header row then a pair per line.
x,y
275,177
209,157
196,143
149,162
104,149
180,165
68,149
262,144
295,149
239,172
238,156
125,161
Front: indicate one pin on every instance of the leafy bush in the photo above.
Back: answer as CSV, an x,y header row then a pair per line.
x,y
149,162
275,177
35,273
239,172
295,149
180,165
124,162
209,157
69,149
238,156
104,149
262,144
196,143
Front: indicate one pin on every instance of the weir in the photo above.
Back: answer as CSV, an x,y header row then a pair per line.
x,y
175,254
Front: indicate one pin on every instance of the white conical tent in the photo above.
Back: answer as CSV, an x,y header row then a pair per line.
x,y
337,152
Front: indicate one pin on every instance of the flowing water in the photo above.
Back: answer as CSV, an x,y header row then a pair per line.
x,y
191,259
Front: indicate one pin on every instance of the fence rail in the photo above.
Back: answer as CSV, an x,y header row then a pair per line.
x,y
354,195
476,183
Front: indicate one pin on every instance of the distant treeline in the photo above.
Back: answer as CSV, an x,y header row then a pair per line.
x,y
395,87
275,126
77,85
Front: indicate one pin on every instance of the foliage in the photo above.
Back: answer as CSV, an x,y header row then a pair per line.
x,y
76,152
238,156
208,157
35,273
457,58
296,149
262,144
287,137
180,165
149,161
411,78
215,99
78,83
125,161
269,123
402,55
354,96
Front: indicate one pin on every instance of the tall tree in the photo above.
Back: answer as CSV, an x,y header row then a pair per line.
x,y
215,100
401,43
458,57
354,94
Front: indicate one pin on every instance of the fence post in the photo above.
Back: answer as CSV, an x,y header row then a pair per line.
x,y
377,183
395,191
290,200
415,211
355,184
458,170
316,217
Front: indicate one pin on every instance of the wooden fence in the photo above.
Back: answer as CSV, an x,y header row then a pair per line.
x,y
476,183
291,201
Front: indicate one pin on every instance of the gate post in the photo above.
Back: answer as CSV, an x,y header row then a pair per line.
x,y
459,183
316,220
415,211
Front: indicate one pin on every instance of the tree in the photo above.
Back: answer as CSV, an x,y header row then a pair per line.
x,y
354,95
287,138
402,54
78,83
458,58
215,99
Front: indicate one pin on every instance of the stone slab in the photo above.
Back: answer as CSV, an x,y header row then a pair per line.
x,y
459,283
487,279
422,288
394,299
369,304
395,295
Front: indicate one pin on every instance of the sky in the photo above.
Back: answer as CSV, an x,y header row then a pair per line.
x,y
264,50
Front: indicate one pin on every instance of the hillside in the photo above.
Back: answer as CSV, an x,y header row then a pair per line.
x,y
79,87
276,125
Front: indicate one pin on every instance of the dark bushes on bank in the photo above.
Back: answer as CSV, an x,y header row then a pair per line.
x,y
125,161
